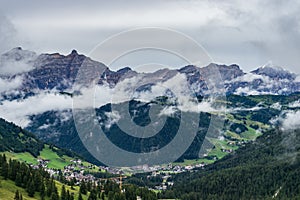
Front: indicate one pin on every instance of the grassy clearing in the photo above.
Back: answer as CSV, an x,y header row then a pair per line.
x,y
217,152
194,162
55,161
8,189
251,134
23,157
75,190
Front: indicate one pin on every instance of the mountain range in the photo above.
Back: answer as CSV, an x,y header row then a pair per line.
x,y
56,71
37,93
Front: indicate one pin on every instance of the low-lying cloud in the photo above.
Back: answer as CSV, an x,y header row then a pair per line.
x,y
18,111
176,88
295,104
288,120
17,61
7,85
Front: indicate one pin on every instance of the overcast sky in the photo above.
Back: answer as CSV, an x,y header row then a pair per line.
x,y
249,33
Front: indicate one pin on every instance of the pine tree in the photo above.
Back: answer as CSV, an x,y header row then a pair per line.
x,y
93,195
17,195
89,186
72,183
42,191
80,196
68,195
83,189
63,195
18,180
4,170
30,188
102,196
54,196
71,196
49,188
110,195
38,181
119,196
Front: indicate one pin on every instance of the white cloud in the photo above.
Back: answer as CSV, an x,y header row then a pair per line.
x,y
176,88
7,34
17,61
12,67
249,77
276,106
113,118
7,85
18,111
288,120
295,104
168,111
248,91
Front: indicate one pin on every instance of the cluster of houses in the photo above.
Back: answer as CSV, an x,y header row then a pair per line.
x,y
76,171
166,172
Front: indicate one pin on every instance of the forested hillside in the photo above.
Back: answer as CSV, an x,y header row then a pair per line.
x,y
21,180
268,168
38,184
16,139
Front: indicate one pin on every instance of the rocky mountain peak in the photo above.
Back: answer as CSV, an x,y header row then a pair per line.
x,y
18,54
124,70
188,69
227,72
275,72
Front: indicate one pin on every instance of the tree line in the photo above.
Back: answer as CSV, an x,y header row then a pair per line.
x,y
39,181
268,168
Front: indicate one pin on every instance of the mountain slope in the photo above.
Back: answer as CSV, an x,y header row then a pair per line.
x,y
269,168
42,100
56,71
24,146
14,138
246,117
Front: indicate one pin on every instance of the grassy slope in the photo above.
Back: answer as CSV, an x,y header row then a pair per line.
x,y
8,189
217,152
56,162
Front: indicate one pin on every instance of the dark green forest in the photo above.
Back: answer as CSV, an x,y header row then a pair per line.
x,y
16,139
268,168
40,181
69,139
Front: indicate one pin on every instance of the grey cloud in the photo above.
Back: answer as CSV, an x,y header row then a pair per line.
x,y
248,33
7,34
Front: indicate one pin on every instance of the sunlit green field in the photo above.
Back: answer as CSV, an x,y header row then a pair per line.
x,y
55,161
8,189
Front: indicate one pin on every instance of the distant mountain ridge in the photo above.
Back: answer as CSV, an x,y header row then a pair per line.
x,y
49,71
38,95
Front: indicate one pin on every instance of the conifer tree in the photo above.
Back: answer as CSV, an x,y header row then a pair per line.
x,y
17,195
102,196
93,195
42,191
18,180
54,196
30,188
63,195
80,196
83,188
